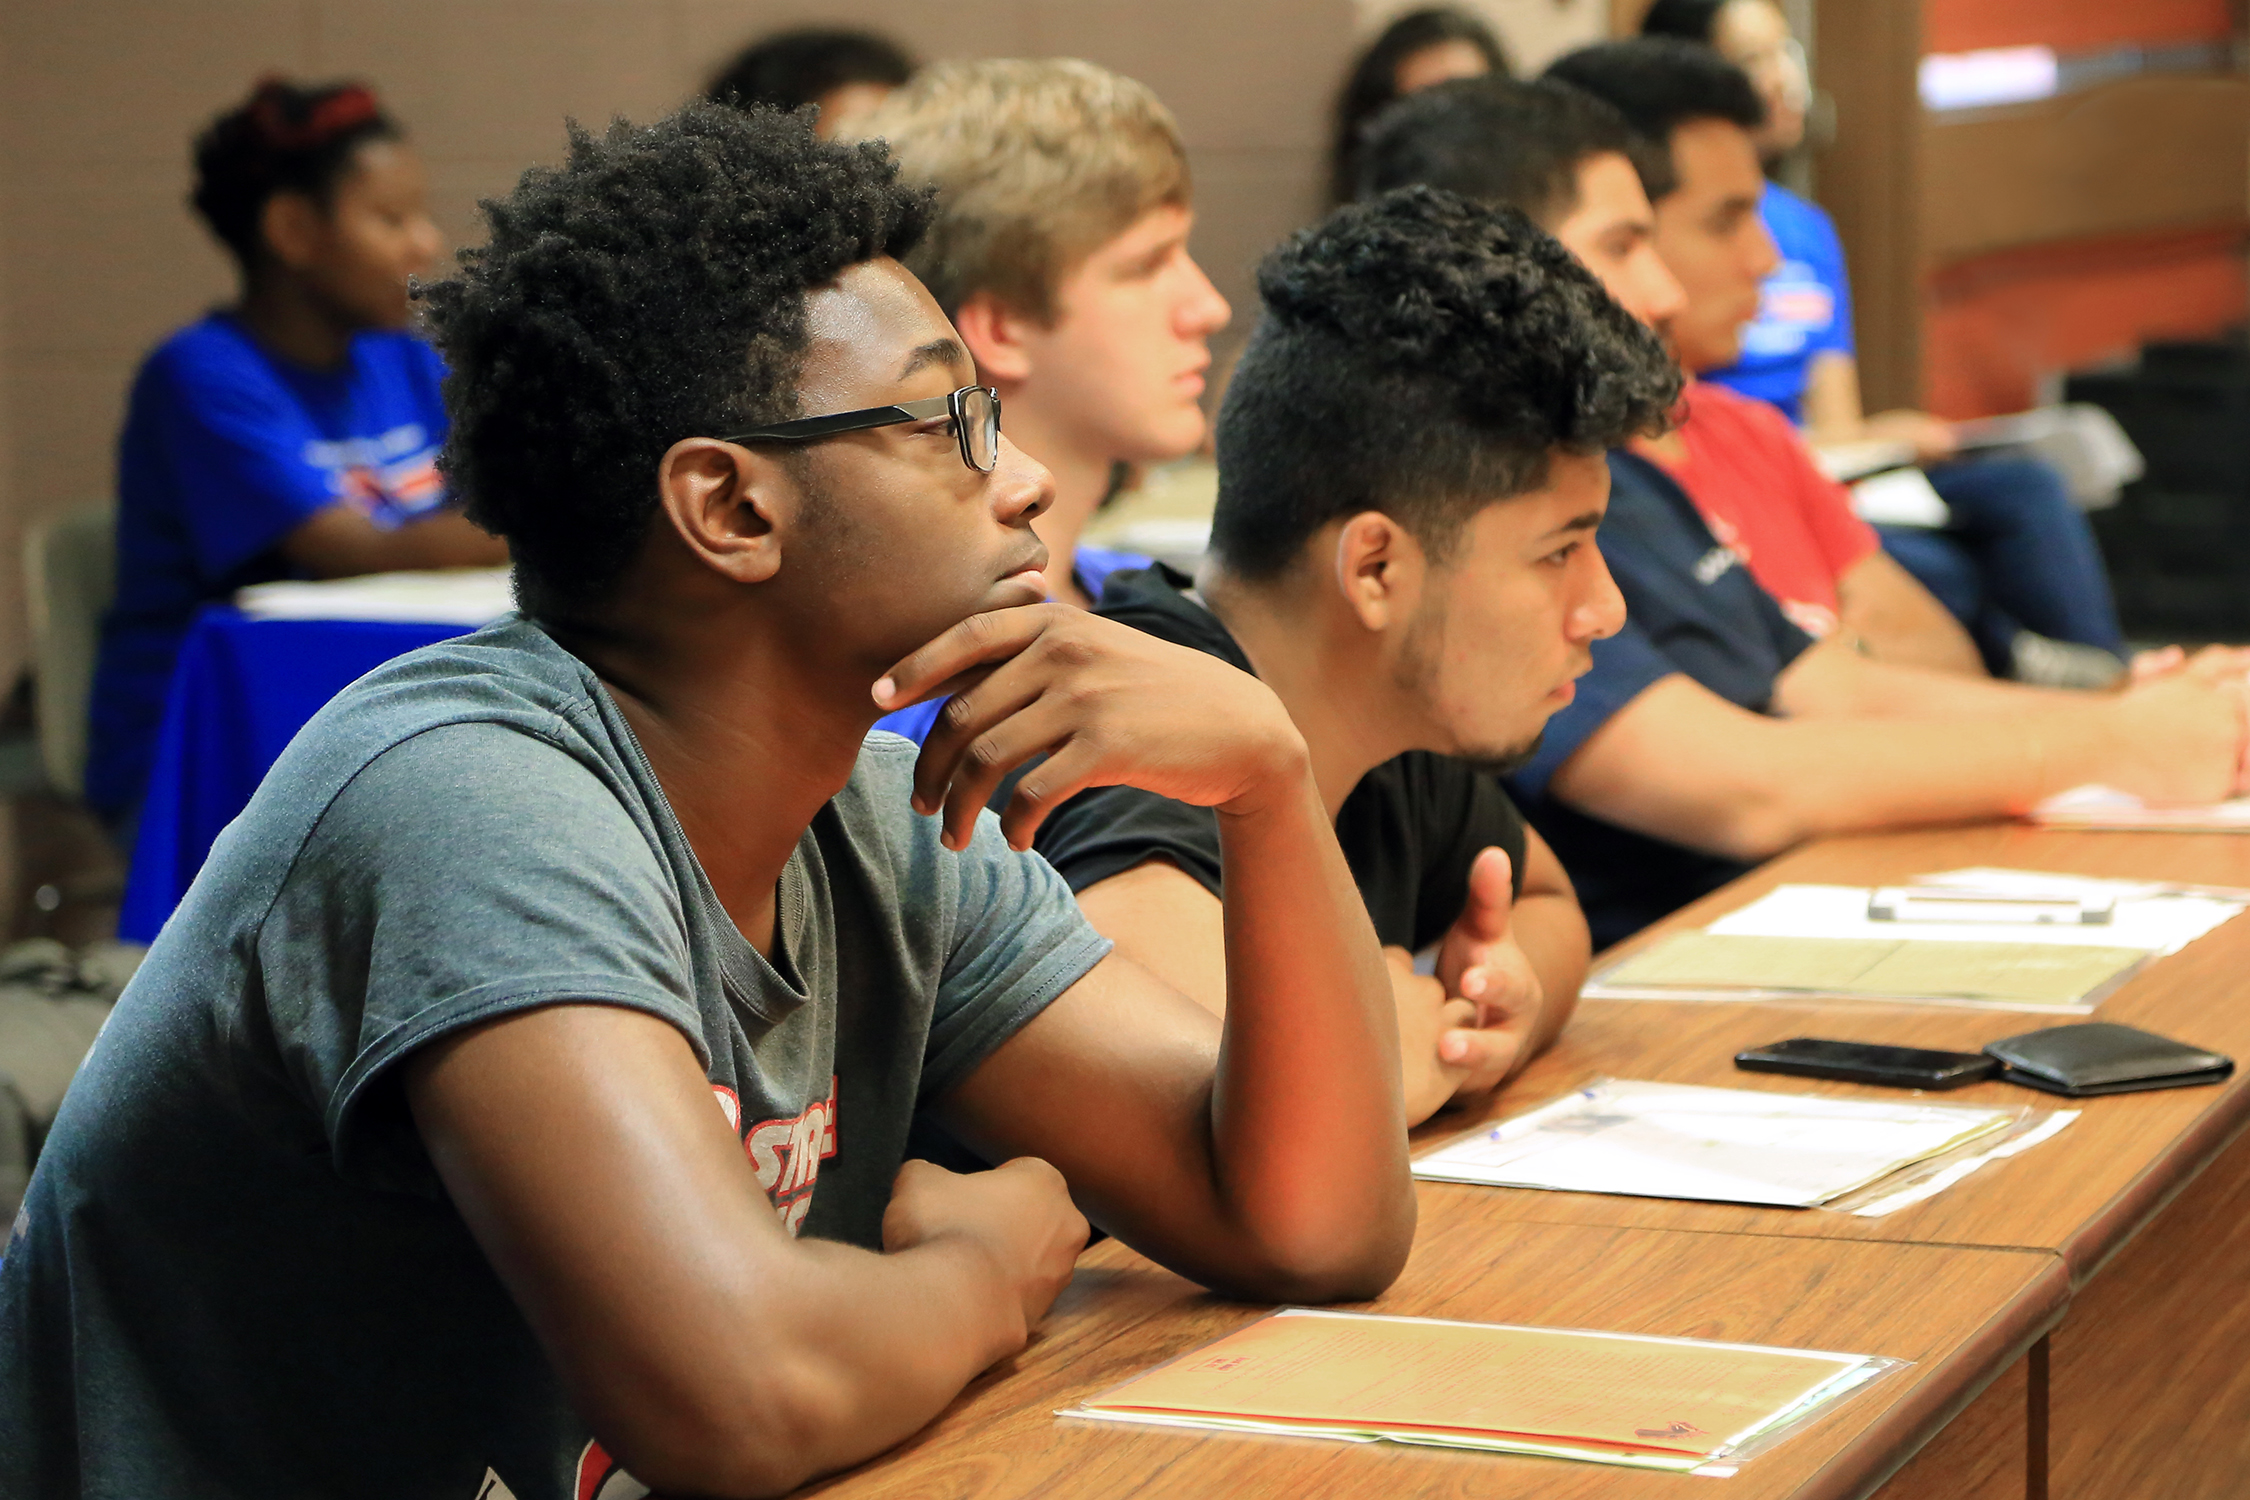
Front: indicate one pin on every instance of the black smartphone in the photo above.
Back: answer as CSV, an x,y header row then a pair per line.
x,y
1866,1062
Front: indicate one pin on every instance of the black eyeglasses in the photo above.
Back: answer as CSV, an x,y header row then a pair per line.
x,y
975,410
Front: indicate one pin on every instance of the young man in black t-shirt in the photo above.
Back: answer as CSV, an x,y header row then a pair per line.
x,y
1410,460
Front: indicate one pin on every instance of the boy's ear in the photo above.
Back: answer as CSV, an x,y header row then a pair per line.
x,y
728,505
995,334
1378,570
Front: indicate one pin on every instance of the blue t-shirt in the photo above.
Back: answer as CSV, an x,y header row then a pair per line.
x,y
227,449
1805,307
1691,606
1092,567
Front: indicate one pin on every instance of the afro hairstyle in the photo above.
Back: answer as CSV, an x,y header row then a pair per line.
x,y
652,288
1660,83
1496,141
1424,356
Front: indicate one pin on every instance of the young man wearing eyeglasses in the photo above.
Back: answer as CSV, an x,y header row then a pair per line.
x,y
516,1105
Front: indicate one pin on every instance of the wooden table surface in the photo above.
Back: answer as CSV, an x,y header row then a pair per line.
x,y
1960,1315
1961,1284
2081,1194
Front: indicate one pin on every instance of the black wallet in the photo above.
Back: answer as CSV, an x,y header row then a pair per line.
x,y
2100,1057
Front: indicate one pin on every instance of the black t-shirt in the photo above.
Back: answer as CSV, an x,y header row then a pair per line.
x,y
1409,830
1690,606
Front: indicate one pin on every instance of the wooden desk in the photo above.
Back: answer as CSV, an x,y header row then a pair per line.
x,y
1963,1316
2128,1236
2145,1199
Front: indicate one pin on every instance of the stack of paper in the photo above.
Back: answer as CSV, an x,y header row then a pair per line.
x,y
2070,978
1805,941
452,596
2107,808
1652,1403
1665,1140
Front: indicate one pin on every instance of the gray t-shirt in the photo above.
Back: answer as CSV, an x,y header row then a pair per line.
x,y
236,1272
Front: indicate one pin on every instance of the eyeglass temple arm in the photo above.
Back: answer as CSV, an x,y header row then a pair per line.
x,y
805,429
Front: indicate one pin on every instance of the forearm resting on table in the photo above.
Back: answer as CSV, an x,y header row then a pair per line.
x,y
711,1352
1682,764
1900,621
339,542
1830,680
1296,1132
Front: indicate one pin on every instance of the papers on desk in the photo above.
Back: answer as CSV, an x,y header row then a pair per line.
x,y
450,596
1682,1405
1665,1140
2101,807
1801,942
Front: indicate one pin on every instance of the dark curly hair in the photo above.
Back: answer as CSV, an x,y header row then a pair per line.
x,y
285,138
1496,141
1660,83
651,288
1423,356
1372,83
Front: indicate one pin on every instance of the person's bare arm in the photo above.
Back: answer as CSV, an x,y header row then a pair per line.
x,y
1831,402
1834,413
1264,1153
339,542
711,1352
1165,921
1831,680
1901,621
1681,763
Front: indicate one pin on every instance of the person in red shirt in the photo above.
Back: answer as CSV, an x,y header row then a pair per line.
x,y
1757,487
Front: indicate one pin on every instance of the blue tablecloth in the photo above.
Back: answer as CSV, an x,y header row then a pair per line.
x,y
242,690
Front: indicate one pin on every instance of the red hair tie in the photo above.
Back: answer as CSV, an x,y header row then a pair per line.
x,y
347,108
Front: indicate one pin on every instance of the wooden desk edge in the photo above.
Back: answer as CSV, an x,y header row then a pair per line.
x,y
2124,1216
1882,1448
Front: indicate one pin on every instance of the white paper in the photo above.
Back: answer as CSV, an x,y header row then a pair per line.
x,y
2107,807
2051,883
2152,923
1655,1140
1937,1182
452,596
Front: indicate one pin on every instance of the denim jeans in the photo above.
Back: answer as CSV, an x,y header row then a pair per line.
x,y
2017,554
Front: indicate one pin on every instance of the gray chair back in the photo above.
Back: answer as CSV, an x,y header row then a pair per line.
x,y
70,575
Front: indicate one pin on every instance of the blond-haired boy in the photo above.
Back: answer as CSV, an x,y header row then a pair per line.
x,y
1060,252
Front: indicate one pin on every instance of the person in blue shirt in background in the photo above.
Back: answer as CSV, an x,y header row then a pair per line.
x,y
292,434
2018,565
1060,250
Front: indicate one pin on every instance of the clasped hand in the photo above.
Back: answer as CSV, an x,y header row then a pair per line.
x,y
1464,1030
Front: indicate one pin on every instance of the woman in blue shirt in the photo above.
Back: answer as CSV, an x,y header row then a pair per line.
x,y
292,434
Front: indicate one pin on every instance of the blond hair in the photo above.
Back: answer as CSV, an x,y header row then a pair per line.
x,y
1037,163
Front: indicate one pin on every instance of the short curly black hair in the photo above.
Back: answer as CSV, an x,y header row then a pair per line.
x,y
651,288
1423,356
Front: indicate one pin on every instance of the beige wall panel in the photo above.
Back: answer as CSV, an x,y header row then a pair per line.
x,y
478,79
2151,153
65,412
108,264
712,31
1246,203
103,81
1239,74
